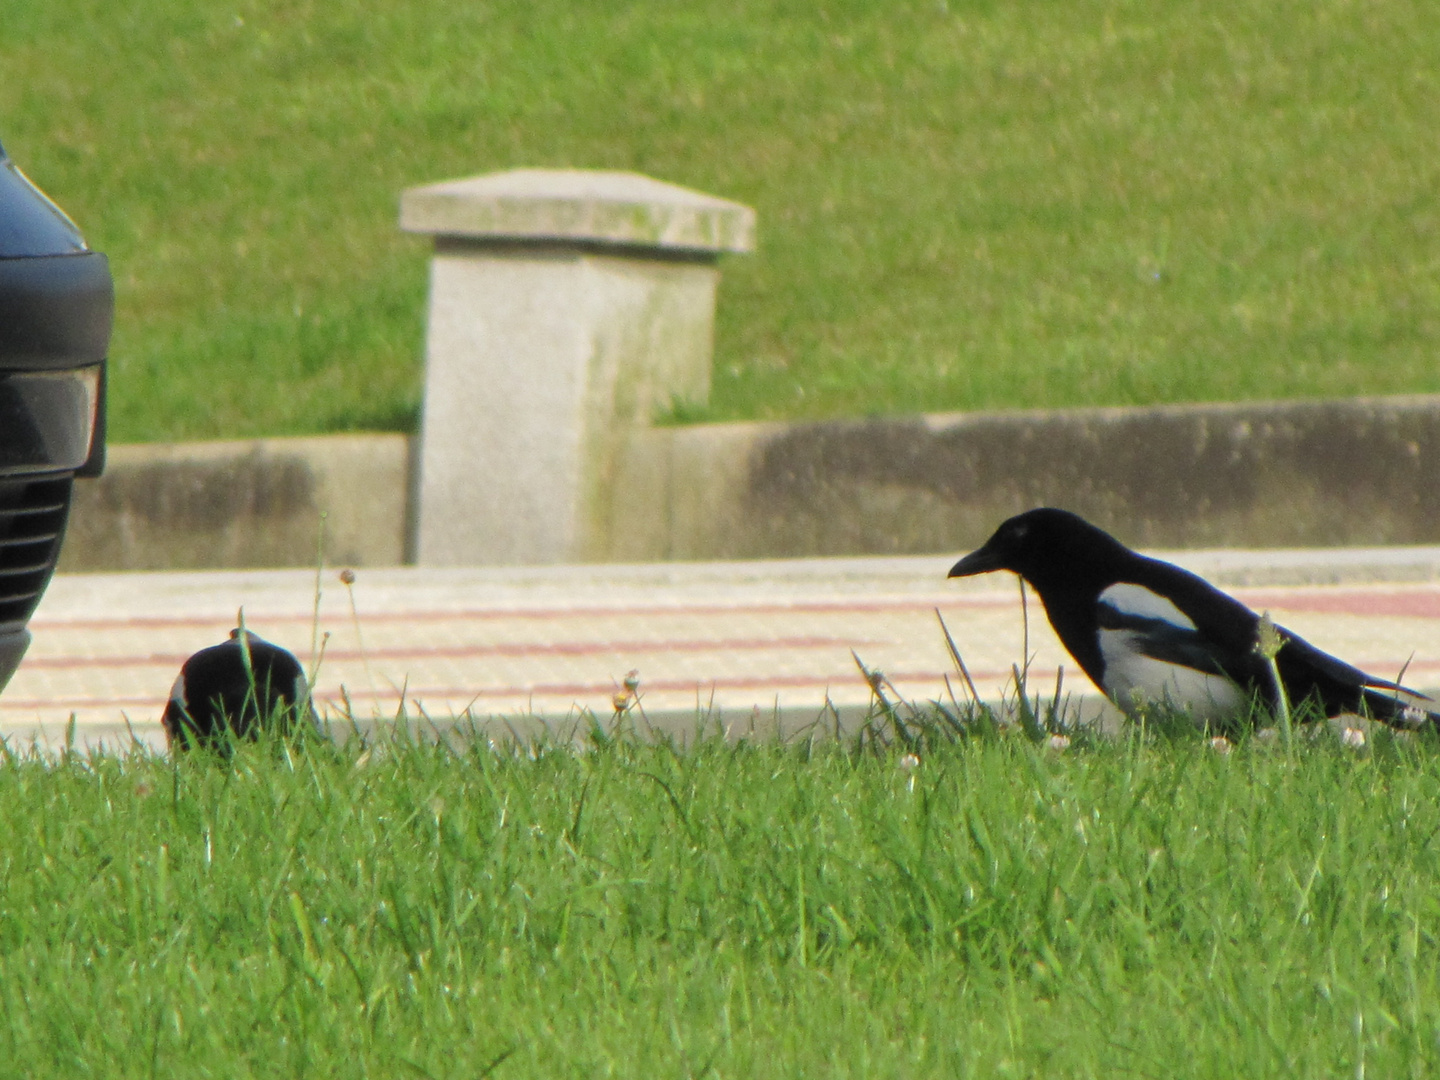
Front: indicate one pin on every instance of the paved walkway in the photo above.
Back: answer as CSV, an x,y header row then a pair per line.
x,y
757,643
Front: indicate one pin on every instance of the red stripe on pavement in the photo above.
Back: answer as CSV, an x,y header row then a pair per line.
x,y
460,652
488,614
1414,603
1409,602
10,705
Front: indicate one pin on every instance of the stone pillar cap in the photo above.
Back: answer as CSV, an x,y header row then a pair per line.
x,y
623,209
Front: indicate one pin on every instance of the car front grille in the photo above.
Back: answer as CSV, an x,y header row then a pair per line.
x,y
32,523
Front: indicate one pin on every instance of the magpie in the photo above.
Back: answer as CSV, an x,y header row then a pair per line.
x,y
236,689
1149,633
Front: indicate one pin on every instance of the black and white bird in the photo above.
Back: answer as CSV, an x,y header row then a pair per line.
x,y
1149,633
239,686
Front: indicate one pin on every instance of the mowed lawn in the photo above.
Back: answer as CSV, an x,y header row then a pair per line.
x,y
1139,907
962,204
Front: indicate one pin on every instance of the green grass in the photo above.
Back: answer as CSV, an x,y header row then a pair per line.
x,y
1126,908
962,204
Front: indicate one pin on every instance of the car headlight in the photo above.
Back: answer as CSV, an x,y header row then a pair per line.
x,y
48,418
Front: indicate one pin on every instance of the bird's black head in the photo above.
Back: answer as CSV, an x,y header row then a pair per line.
x,y
1046,547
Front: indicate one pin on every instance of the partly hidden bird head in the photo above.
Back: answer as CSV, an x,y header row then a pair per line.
x,y
236,689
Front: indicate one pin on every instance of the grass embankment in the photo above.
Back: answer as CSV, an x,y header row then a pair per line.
x,y
1142,908
962,204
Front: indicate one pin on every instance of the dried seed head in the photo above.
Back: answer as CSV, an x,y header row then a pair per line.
x,y
347,576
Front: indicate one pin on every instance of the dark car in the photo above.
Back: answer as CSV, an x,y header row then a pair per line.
x,y
56,302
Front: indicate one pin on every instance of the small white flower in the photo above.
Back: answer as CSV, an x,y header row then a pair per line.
x,y
1267,735
1353,737
1058,742
1221,745
908,763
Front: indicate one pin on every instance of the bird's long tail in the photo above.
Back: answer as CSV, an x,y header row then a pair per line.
x,y
1400,708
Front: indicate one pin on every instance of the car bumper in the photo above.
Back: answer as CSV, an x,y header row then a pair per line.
x,y
12,649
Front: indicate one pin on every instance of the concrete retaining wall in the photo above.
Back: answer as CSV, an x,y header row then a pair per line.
x,y
1347,473
244,504
1344,473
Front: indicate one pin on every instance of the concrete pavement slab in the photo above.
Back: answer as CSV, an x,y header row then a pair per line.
x,y
756,644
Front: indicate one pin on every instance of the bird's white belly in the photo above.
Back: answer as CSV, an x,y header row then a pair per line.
x,y
1134,680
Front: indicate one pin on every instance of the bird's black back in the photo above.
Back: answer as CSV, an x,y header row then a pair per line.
x,y
1225,629
218,693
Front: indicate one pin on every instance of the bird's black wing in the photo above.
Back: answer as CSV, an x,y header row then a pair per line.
x,y
1309,674
1167,641
1217,616
1207,629
1225,633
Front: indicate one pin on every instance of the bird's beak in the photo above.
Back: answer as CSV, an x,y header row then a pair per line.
x,y
981,561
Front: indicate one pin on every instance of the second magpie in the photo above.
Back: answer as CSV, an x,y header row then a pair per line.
x,y
239,686
1150,633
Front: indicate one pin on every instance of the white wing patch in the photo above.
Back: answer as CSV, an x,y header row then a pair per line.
x,y
1139,602
1134,680
177,691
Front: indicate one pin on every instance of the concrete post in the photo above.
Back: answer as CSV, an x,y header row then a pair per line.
x,y
566,308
